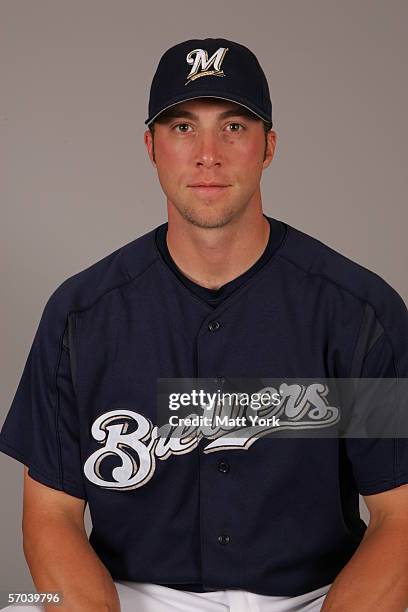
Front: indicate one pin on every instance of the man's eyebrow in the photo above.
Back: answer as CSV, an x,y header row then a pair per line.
x,y
238,112
180,113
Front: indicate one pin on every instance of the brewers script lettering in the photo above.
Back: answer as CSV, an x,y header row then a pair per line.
x,y
300,407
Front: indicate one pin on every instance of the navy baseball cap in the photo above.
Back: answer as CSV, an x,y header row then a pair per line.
x,y
209,67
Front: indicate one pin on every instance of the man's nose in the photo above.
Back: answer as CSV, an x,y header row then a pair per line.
x,y
208,150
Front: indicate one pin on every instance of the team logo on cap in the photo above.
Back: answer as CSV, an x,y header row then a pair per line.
x,y
201,65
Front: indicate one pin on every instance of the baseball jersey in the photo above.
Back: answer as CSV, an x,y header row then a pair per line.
x,y
279,517
214,297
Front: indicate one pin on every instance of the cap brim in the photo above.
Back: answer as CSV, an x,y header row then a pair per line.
x,y
229,98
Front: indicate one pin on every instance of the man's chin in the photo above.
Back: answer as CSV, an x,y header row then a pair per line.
x,y
210,218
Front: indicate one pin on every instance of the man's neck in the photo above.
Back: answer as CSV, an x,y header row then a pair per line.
x,y
212,257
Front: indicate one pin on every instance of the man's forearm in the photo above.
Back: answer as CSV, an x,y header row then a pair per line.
x,y
61,559
376,577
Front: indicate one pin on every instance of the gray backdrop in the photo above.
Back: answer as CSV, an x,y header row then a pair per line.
x,y
76,182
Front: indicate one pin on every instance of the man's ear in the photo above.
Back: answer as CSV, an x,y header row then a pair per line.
x,y
271,138
148,139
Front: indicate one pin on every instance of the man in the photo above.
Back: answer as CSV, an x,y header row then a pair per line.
x,y
219,291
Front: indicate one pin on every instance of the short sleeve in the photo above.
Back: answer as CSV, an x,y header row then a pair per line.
x,y
41,428
380,464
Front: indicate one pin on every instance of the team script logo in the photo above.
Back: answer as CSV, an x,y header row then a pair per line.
x,y
300,407
201,65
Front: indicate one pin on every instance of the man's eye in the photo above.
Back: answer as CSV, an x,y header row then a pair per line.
x,y
180,125
236,124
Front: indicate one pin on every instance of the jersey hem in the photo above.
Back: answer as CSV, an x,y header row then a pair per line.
x,y
39,475
380,486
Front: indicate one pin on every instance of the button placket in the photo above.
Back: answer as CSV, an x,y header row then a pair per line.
x,y
215,472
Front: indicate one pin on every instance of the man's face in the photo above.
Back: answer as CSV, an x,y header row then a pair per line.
x,y
206,141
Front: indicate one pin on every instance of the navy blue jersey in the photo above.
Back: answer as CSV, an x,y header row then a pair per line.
x,y
214,297
278,518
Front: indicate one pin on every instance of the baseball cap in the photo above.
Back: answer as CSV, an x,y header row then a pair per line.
x,y
209,67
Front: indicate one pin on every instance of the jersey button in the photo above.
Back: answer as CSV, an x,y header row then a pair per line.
x,y
214,326
223,467
223,539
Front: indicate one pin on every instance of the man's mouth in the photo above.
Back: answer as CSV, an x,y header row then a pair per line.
x,y
208,185
208,188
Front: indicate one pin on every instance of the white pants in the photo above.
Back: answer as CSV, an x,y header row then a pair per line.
x,y
155,598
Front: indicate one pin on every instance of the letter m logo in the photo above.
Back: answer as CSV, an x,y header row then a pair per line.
x,y
201,64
